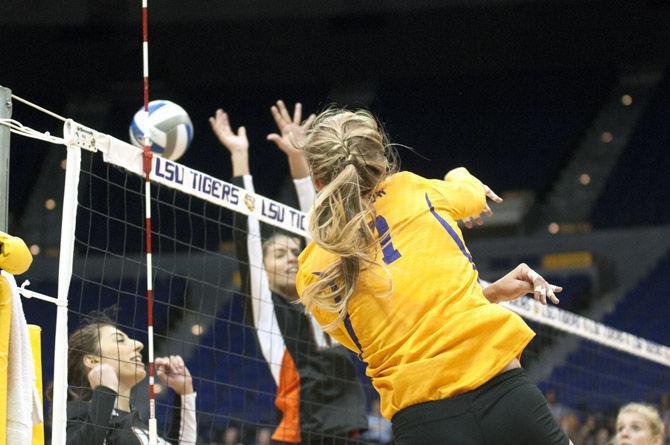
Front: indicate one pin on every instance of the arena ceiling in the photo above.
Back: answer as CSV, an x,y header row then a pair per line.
x,y
247,39
86,54
80,12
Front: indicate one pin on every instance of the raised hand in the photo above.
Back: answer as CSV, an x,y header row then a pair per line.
x,y
520,281
172,371
234,142
103,375
292,131
468,222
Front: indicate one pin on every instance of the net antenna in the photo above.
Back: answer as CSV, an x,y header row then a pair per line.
x,y
147,155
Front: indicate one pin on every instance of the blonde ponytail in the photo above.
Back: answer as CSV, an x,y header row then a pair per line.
x,y
349,154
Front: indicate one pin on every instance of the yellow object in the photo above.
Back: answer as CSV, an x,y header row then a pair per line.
x,y
568,260
15,256
5,321
237,280
434,335
36,347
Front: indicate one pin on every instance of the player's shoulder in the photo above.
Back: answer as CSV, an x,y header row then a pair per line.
x,y
313,257
311,262
307,253
405,176
408,184
405,179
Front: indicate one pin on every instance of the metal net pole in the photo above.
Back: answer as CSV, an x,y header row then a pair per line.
x,y
5,113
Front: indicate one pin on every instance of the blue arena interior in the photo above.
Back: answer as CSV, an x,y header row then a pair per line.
x,y
562,107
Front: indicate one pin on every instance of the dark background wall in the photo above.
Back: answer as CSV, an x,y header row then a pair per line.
x,y
486,81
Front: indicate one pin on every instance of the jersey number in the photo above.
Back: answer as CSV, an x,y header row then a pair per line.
x,y
389,252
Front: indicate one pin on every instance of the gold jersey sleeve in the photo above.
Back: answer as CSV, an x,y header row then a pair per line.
x,y
420,320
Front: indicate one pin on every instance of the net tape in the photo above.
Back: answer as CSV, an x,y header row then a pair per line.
x,y
187,180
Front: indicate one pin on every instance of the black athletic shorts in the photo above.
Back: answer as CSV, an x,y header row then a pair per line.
x,y
508,409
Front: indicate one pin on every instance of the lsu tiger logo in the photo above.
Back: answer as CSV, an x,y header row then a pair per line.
x,y
250,202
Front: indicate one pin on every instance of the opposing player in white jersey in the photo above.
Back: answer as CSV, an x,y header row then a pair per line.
x,y
319,396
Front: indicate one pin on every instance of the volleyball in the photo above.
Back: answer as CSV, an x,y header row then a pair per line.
x,y
170,129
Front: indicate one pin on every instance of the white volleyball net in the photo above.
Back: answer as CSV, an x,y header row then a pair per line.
x,y
201,314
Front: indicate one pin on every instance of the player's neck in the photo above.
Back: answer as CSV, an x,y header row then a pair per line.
x,y
123,399
287,294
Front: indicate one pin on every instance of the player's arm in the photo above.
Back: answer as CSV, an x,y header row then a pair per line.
x,y
520,281
238,147
290,139
172,372
464,196
255,284
291,136
183,426
236,143
249,249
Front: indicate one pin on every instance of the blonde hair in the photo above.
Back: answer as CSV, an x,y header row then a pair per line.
x,y
649,413
349,154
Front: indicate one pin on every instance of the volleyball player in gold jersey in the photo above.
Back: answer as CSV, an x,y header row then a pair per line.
x,y
389,276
